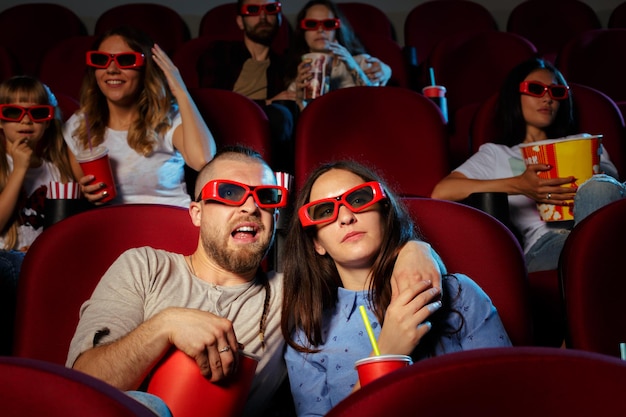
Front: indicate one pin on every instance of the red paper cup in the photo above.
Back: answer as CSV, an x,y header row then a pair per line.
x,y
187,393
374,367
576,156
96,162
321,65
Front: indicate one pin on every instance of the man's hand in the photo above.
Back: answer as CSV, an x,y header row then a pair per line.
x,y
416,262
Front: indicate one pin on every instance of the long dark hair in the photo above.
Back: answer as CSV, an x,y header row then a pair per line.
x,y
344,35
311,280
509,117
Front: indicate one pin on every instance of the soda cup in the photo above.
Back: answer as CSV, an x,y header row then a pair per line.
x,y
96,162
321,66
373,367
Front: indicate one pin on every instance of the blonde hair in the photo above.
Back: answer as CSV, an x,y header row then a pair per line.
x,y
155,101
51,147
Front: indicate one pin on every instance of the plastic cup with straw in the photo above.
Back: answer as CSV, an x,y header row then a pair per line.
x,y
437,93
373,367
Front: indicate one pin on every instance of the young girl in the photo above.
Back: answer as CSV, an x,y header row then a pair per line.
x,y
339,254
322,28
33,154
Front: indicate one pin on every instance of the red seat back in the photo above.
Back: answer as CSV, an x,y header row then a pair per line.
x,y
29,30
594,58
476,244
162,23
550,24
591,268
395,130
31,387
64,264
516,382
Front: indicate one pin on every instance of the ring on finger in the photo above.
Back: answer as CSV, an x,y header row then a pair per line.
x,y
549,196
224,349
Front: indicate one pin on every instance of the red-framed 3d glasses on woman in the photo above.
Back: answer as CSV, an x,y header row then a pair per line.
x,y
255,9
537,89
15,113
325,24
123,60
235,194
355,199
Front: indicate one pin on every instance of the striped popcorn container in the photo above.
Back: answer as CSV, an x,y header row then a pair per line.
x,y
58,190
63,200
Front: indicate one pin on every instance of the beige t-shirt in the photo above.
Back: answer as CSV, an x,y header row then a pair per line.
x,y
144,281
252,81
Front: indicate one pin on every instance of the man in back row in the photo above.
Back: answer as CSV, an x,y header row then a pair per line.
x,y
208,304
252,68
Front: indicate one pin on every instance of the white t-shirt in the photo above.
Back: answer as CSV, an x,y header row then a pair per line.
x,y
35,186
494,161
157,179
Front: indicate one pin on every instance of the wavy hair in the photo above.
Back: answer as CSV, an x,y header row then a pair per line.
x,y
155,101
510,120
51,147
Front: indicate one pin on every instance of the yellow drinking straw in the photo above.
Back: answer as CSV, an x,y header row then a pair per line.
x,y
370,332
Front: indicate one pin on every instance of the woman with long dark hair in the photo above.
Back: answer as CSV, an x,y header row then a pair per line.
x,y
340,253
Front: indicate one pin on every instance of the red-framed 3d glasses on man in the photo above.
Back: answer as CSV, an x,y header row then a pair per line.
x,y
123,60
15,113
235,193
355,199
537,89
325,24
253,9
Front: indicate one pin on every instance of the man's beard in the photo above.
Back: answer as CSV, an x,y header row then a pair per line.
x,y
244,259
263,33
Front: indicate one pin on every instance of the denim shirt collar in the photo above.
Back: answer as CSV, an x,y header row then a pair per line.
x,y
349,300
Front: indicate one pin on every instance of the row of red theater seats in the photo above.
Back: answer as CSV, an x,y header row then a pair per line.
x,y
425,25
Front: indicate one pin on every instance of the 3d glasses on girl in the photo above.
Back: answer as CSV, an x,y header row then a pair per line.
x,y
355,199
325,24
123,60
256,9
538,89
235,193
15,113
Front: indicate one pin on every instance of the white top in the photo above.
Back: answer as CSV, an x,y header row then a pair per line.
x,y
32,211
156,179
494,161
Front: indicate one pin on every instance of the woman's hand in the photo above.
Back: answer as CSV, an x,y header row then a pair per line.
x,y
92,192
542,190
303,77
377,72
172,74
406,319
341,53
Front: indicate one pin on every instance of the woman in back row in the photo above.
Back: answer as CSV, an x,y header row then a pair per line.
x,y
323,28
535,104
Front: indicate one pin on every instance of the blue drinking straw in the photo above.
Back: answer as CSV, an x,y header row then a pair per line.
x,y
432,76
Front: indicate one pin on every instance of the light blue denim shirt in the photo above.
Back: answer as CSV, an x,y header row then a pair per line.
x,y
321,380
